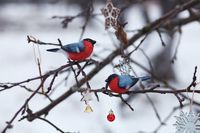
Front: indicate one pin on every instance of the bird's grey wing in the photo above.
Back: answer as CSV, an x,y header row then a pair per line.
x,y
74,47
126,81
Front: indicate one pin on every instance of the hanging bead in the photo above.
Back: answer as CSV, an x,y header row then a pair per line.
x,y
111,116
88,109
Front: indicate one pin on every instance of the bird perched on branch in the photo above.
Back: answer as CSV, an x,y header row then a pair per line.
x,y
122,83
77,51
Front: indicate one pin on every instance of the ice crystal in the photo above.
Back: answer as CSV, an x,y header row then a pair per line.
x,y
124,67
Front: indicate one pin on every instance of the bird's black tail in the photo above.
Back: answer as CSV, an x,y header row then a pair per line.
x,y
53,50
145,78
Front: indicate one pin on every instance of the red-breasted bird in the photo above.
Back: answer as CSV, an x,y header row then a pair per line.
x,y
77,51
122,83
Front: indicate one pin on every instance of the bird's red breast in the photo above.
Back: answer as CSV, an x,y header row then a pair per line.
x,y
114,86
88,48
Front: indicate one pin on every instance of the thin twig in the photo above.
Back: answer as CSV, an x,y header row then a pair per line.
x,y
51,83
161,39
124,101
40,73
137,47
36,41
53,125
23,106
177,46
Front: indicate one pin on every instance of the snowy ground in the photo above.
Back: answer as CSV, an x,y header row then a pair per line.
x,y
17,64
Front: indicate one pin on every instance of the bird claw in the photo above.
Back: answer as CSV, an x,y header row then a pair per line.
x,y
93,61
110,93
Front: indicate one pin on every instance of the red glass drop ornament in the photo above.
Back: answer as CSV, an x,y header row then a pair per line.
x,y
111,116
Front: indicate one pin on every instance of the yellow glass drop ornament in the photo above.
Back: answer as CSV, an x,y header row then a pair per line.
x,y
88,109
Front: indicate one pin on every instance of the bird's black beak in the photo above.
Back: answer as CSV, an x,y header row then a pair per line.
x,y
107,80
90,40
111,77
93,41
